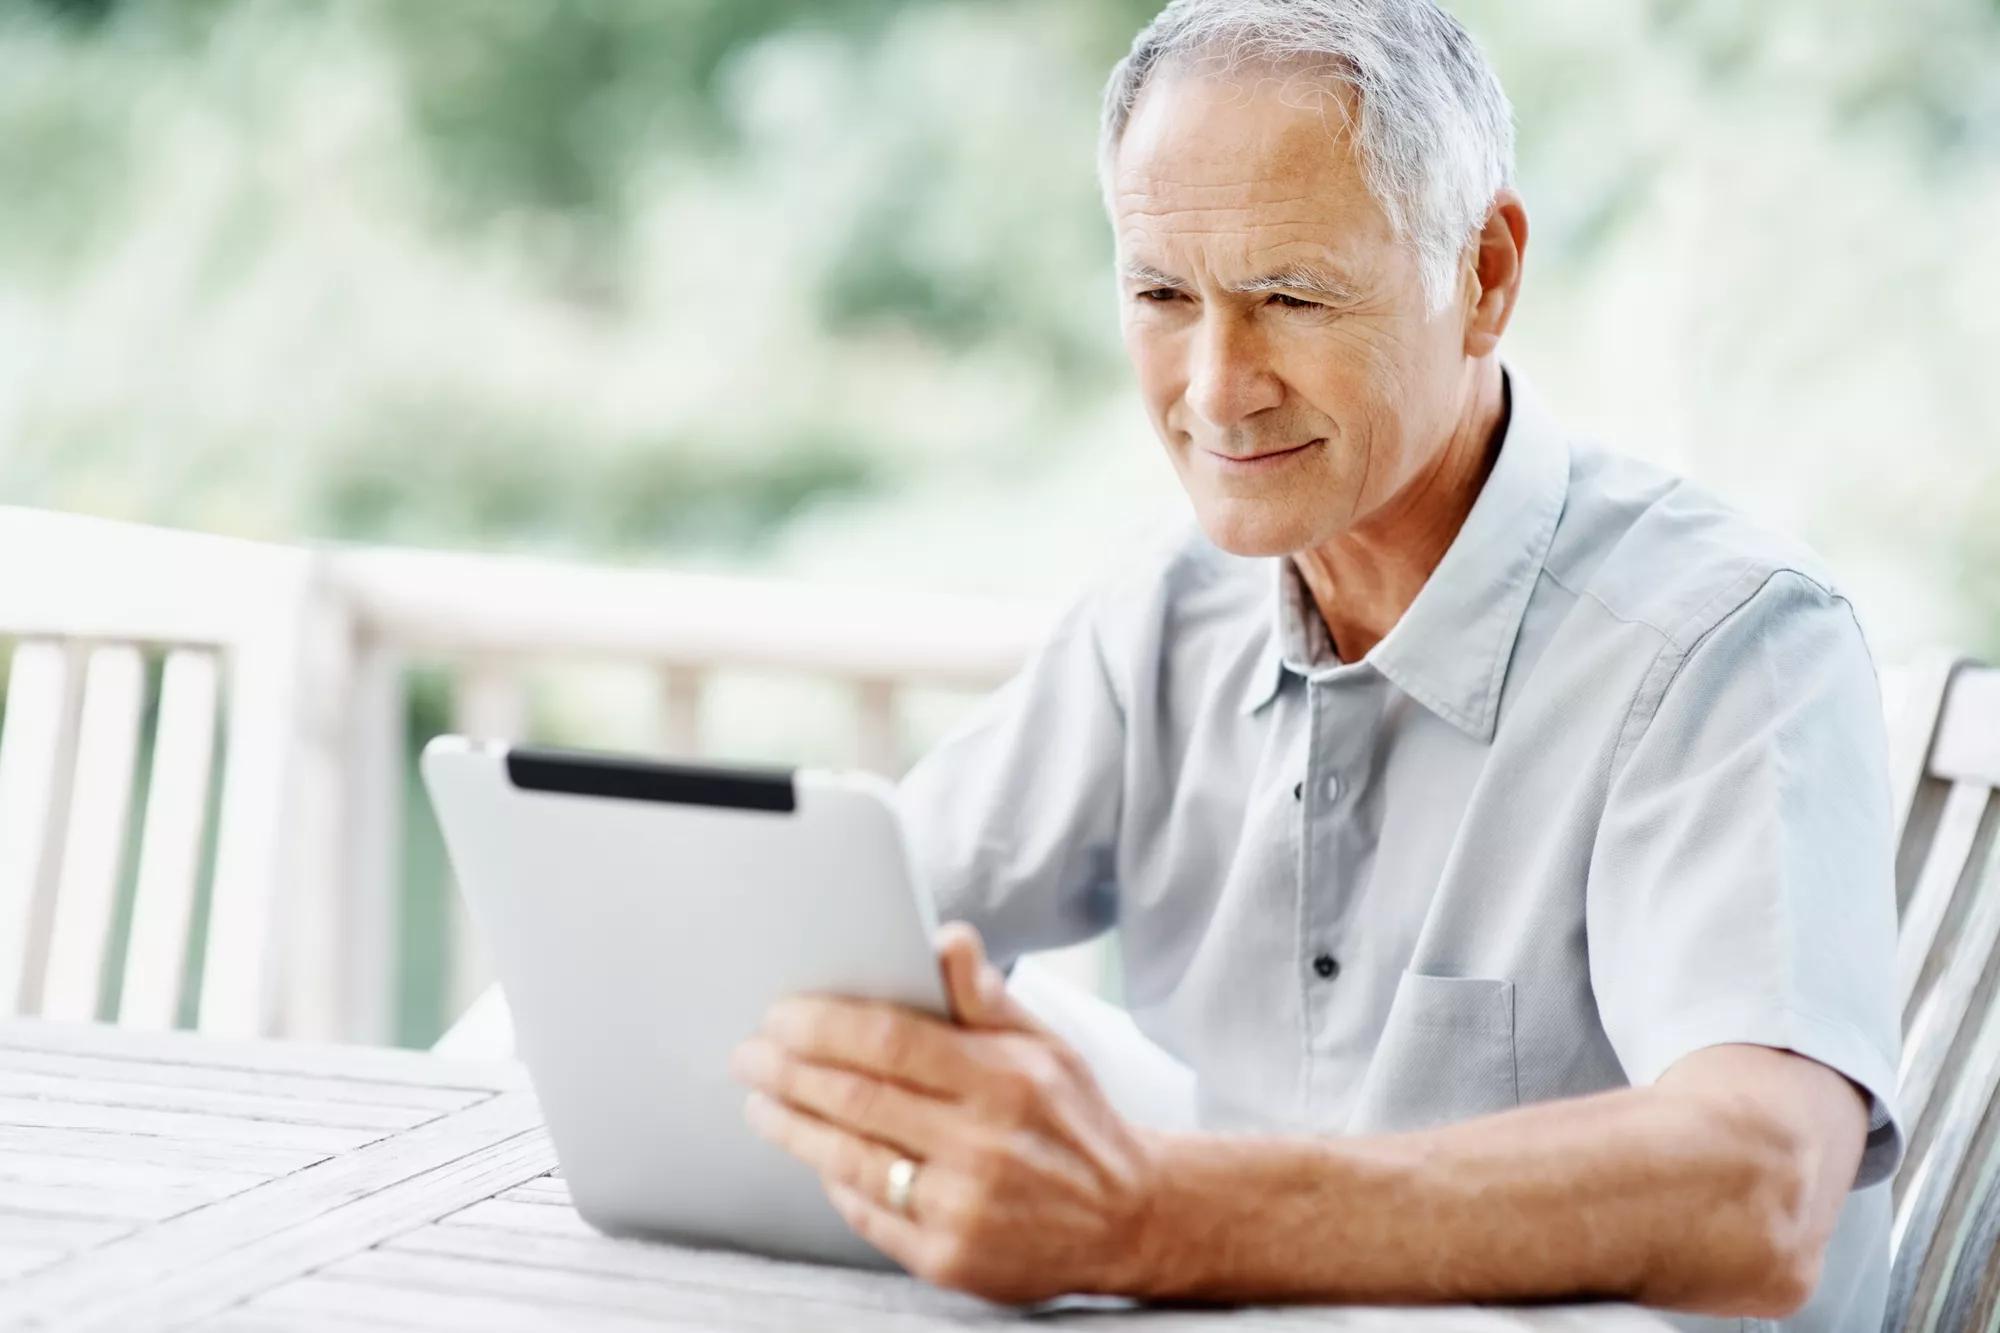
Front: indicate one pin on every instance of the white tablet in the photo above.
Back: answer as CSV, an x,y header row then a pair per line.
x,y
641,916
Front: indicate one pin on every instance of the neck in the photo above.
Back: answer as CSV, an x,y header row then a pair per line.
x,y
1364,579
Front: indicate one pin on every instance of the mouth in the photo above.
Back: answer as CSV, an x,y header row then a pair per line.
x,y
1259,462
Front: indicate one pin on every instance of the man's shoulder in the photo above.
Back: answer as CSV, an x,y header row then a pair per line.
x,y
1654,549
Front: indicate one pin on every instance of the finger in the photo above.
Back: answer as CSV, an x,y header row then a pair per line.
x,y
976,988
890,1113
874,1037
897,1236
838,1156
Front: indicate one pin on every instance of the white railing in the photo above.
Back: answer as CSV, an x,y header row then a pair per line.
x,y
306,658
490,620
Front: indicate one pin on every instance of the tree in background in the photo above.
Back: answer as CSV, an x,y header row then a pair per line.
x,y
802,283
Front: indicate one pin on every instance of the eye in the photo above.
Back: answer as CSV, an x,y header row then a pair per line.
x,y
1295,302
1160,294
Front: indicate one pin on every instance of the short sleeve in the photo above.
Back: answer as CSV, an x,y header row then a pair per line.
x,y
1012,819
1741,888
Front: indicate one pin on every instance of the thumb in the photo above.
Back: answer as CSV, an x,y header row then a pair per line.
x,y
976,989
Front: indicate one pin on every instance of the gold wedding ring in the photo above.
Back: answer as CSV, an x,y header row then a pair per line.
x,y
902,1179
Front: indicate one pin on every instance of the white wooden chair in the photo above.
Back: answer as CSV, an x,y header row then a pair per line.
x,y
83,603
1946,1272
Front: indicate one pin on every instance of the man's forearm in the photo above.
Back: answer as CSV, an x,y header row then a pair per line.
x,y
1636,1194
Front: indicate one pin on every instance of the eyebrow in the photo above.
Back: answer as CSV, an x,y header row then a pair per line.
x,y
1305,279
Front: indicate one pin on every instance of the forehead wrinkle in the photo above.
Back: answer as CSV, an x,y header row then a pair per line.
x,y
1309,219
1129,186
1319,241
1313,217
1291,208
1255,238
1287,171
1235,197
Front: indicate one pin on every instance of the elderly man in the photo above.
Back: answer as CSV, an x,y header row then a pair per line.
x,y
1496,825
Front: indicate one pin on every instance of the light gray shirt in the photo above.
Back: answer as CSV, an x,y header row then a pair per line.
x,y
1612,790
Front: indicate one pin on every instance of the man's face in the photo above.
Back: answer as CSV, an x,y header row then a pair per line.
x,y
1277,325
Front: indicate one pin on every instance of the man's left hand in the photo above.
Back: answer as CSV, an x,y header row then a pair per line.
x,y
1028,1185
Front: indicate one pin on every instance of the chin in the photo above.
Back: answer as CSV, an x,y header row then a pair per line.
x,y
1253,528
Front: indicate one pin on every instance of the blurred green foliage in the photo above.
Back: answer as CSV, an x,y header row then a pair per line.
x,y
664,277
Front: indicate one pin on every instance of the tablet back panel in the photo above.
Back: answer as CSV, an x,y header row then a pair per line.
x,y
641,917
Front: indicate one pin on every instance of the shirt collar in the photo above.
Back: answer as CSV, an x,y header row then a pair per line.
x,y
1450,649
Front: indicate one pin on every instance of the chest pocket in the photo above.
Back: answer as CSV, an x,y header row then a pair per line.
x,y
1446,1054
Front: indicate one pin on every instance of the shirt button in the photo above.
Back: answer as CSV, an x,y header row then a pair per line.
x,y
1326,966
1332,789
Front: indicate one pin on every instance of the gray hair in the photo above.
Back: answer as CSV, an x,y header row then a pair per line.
x,y
1435,130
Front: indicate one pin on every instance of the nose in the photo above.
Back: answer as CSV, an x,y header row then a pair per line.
x,y
1230,378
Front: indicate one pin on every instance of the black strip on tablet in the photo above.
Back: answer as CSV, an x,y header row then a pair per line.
x,y
583,774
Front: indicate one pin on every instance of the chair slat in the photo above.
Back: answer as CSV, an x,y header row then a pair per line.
x,y
1925,1188
264,613
1916,700
254,872
1967,748
1969,1287
37,761
1944,890
369,890
1953,1008
1945,1271
114,696
171,842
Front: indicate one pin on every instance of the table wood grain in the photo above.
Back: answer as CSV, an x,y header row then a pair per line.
x,y
171,1181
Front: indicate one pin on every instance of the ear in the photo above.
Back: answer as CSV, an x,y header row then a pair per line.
x,y
1493,276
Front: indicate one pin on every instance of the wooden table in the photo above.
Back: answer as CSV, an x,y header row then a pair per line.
x,y
156,1180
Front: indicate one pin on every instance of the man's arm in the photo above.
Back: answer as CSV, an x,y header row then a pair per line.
x,y
1011,819
1715,1189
